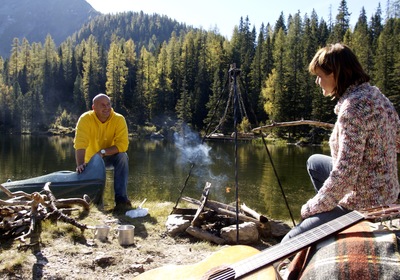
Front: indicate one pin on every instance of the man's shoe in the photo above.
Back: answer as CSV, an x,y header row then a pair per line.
x,y
123,206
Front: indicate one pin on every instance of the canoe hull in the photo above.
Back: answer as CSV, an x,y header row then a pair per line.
x,y
66,184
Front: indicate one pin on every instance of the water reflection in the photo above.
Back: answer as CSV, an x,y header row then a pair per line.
x,y
157,171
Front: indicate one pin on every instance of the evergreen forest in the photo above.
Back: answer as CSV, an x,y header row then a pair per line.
x,y
160,73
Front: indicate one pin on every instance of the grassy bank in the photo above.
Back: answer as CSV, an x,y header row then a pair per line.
x,y
64,252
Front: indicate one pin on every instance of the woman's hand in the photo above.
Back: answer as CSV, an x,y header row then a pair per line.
x,y
305,211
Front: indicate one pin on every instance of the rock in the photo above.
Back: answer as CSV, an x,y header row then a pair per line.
x,y
177,224
134,268
248,233
104,261
279,229
147,260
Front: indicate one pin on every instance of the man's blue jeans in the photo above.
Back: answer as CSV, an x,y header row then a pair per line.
x,y
319,167
120,162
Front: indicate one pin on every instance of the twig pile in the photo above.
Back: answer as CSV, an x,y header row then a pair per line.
x,y
22,214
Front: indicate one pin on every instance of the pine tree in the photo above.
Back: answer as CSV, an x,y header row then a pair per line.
x,y
270,96
342,23
130,96
386,76
174,73
257,74
50,70
183,106
116,75
163,84
13,66
310,43
293,98
361,42
279,82
90,72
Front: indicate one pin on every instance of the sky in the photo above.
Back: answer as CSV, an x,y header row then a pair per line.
x,y
225,14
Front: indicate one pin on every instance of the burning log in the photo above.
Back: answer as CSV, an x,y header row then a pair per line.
x,y
213,221
203,201
225,209
204,235
253,213
22,214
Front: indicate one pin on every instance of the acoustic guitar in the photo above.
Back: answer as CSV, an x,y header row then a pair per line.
x,y
246,262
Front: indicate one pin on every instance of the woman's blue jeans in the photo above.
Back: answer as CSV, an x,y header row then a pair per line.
x,y
319,168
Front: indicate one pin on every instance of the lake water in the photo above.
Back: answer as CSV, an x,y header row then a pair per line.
x,y
158,170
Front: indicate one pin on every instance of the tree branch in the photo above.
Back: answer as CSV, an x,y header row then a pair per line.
x,y
294,123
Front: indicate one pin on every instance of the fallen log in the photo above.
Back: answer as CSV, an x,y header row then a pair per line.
x,y
294,123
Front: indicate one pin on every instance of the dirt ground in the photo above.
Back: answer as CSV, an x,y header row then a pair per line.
x,y
65,252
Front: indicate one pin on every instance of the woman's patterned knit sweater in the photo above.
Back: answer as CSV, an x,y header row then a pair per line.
x,y
364,145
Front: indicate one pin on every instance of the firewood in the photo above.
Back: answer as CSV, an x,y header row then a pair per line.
x,y
204,235
21,215
36,200
240,216
14,194
254,214
203,201
56,213
222,208
67,202
11,202
212,204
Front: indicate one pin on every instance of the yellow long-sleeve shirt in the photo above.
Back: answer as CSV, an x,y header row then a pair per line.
x,y
93,135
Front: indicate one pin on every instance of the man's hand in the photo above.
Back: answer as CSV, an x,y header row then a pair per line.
x,y
80,168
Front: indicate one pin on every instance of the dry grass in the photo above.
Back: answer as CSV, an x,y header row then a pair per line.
x,y
67,253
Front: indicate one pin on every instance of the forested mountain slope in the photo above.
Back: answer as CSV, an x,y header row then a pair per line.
x,y
161,73
34,19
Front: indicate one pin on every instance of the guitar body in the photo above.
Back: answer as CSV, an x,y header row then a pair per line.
x,y
201,270
236,261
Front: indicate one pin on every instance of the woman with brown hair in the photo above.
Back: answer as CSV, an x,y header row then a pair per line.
x,y
362,169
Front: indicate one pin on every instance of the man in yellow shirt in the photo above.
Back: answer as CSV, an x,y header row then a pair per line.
x,y
103,131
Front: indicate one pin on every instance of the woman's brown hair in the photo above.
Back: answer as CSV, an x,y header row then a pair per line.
x,y
340,60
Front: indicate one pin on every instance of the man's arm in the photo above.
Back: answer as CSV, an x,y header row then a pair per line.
x,y
80,160
111,150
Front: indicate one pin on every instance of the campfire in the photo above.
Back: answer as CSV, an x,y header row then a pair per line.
x,y
219,223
